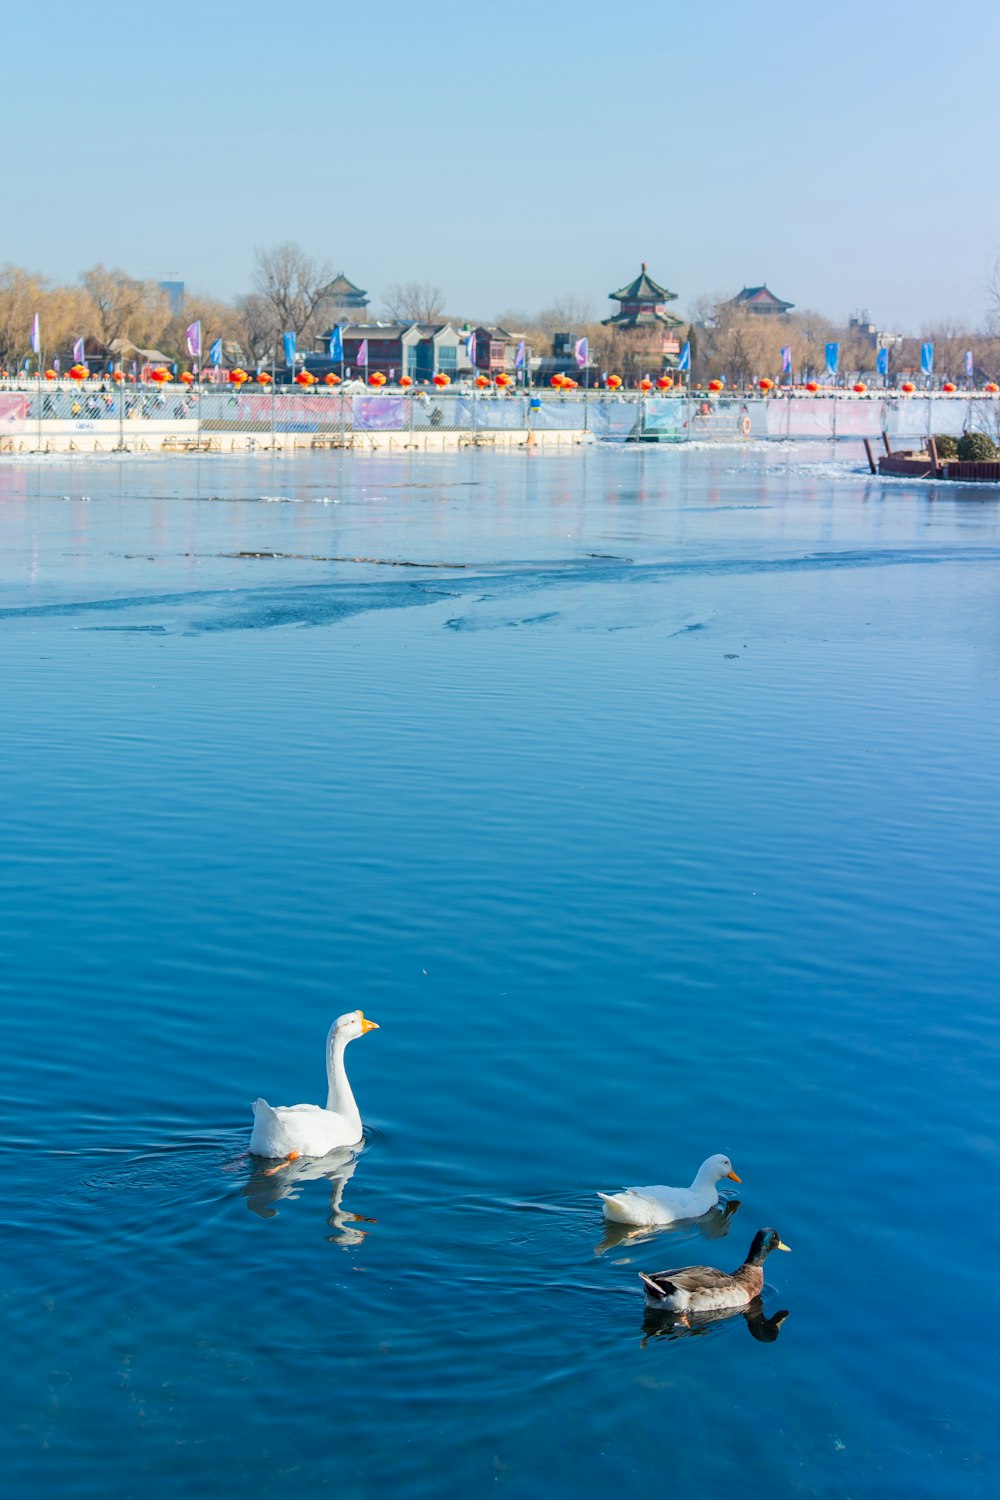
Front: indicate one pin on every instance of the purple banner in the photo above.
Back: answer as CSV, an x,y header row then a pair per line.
x,y
379,413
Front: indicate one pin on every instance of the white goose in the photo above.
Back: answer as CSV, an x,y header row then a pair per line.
x,y
292,1130
647,1206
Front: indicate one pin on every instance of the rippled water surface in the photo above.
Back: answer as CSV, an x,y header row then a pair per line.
x,y
649,801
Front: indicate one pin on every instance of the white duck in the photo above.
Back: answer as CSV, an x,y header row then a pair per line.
x,y
646,1206
292,1130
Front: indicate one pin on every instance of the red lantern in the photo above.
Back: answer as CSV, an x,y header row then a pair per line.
x,y
907,388
645,384
812,387
664,382
765,384
78,372
441,379
949,388
187,377
716,385
859,388
405,381
614,381
305,379
263,378
51,375
331,379
482,381
991,387
117,376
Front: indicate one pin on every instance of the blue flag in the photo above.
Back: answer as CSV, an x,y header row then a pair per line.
x,y
519,356
882,363
337,344
927,359
684,363
581,353
832,358
470,347
786,360
969,364
288,339
215,352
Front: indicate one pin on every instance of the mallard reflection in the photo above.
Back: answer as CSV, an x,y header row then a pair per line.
x,y
667,1325
267,1185
711,1226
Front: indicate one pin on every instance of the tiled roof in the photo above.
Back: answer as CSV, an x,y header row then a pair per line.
x,y
644,289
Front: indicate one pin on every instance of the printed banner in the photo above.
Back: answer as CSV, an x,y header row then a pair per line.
x,y
379,413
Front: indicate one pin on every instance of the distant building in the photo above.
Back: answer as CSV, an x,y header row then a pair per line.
x,y
344,302
758,299
496,349
418,350
175,295
648,333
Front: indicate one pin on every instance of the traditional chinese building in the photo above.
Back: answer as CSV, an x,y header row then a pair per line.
x,y
648,333
344,302
758,299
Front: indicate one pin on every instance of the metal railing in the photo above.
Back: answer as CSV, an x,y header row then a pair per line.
x,y
207,415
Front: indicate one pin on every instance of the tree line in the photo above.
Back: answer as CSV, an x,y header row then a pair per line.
x,y
290,292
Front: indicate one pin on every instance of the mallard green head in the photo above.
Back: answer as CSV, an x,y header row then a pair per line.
x,y
764,1241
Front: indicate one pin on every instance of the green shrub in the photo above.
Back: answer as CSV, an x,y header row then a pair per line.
x,y
976,446
947,446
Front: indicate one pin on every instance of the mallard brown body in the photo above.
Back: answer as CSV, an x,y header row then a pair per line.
x,y
697,1288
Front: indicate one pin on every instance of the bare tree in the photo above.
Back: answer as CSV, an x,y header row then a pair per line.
x,y
19,297
123,308
257,329
566,315
414,302
293,283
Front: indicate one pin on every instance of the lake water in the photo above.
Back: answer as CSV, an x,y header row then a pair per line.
x,y
649,800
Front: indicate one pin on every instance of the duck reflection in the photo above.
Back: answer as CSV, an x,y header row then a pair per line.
x,y
268,1184
669,1325
711,1226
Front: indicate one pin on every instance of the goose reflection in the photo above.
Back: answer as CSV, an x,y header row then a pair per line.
x,y
266,1186
711,1226
668,1325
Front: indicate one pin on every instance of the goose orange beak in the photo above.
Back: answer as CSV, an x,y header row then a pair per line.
x,y
733,1177
367,1025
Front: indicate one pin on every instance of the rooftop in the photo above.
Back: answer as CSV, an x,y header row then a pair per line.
x,y
643,289
761,299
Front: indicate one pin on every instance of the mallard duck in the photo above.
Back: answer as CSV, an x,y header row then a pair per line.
x,y
699,1288
664,1205
292,1130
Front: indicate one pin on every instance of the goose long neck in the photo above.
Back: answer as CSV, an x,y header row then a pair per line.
x,y
339,1096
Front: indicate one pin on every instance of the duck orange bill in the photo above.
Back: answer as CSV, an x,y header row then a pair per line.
x,y
733,1177
783,1246
367,1025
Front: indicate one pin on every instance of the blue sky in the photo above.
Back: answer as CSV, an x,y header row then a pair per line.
x,y
513,154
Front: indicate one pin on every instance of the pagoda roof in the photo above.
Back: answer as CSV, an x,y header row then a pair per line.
x,y
644,289
342,287
760,297
645,319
